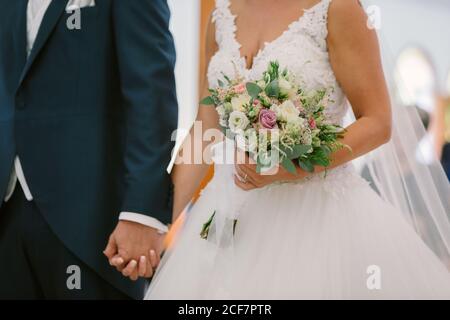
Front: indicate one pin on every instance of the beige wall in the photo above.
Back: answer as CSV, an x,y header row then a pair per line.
x,y
206,9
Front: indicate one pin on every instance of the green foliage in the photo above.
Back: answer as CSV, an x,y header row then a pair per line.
x,y
253,90
226,78
321,157
289,165
273,89
206,227
208,101
306,165
296,151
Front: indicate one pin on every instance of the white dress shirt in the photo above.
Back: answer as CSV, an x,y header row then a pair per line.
x,y
35,14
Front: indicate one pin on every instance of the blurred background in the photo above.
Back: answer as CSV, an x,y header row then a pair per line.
x,y
415,37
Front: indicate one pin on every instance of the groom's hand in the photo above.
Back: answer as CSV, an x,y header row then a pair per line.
x,y
134,249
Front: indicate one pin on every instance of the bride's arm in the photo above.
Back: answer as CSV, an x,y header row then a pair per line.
x,y
355,58
187,177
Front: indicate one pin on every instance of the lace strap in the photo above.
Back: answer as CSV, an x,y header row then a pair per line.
x,y
225,24
315,23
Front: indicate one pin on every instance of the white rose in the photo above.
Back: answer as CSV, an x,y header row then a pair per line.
x,y
287,88
240,101
238,121
288,112
296,126
299,122
284,85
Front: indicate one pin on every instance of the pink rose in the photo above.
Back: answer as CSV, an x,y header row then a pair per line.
x,y
268,119
240,88
312,123
256,102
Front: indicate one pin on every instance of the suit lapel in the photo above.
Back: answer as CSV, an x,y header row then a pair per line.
x,y
20,34
49,22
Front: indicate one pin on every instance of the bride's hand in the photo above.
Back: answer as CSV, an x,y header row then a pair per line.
x,y
247,178
144,268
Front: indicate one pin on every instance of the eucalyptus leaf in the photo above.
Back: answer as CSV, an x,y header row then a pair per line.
x,y
208,101
289,166
253,90
297,151
273,89
306,165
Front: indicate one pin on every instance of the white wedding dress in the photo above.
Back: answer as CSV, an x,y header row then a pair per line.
x,y
315,239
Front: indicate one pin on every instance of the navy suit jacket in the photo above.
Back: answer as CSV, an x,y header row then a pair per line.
x,y
90,113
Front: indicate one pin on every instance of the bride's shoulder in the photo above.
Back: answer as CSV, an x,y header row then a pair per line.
x,y
345,5
346,10
346,18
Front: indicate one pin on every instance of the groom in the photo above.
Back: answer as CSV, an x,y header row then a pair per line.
x,y
87,109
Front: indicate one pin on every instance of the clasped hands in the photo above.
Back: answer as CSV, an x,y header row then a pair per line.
x,y
134,249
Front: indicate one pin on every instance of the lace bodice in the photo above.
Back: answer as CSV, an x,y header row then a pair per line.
x,y
302,48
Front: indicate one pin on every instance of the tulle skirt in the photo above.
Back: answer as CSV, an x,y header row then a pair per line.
x,y
329,237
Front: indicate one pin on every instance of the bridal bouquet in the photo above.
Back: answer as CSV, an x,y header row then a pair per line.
x,y
277,119
277,122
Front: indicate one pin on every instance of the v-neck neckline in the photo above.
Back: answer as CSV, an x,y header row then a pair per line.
x,y
266,44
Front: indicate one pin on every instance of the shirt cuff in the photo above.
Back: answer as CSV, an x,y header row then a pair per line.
x,y
145,220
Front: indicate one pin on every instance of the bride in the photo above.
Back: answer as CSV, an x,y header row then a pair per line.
x,y
302,236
